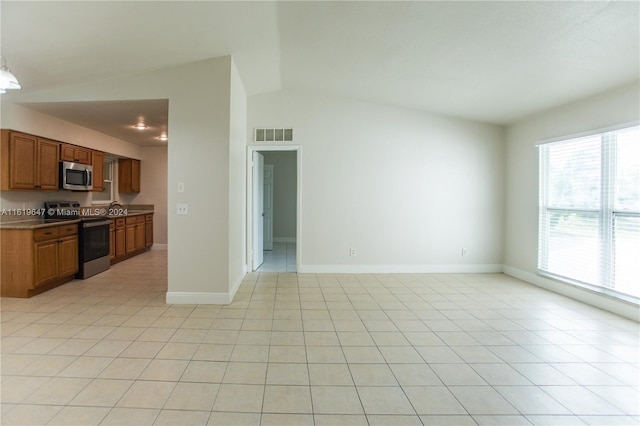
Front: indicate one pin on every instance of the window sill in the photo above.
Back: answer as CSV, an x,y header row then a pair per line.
x,y
601,291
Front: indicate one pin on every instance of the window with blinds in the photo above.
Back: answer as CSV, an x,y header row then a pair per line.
x,y
589,218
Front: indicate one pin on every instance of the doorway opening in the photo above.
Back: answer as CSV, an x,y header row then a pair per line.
x,y
273,208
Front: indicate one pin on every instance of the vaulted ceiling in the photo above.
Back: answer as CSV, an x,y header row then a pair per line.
x,y
493,62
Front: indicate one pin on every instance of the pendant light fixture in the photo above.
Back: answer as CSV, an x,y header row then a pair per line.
x,y
8,81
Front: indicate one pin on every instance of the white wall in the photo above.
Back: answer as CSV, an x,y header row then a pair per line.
x,y
284,193
237,181
407,189
521,226
153,183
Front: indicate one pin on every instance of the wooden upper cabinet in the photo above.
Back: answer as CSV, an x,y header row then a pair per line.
x,y
67,152
28,162
128,175
47,165
98,170
76,154
135,175
23,151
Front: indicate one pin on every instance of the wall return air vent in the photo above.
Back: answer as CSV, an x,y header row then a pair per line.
x,y
274,135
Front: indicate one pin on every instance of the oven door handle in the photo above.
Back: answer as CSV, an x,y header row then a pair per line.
x,y
96,223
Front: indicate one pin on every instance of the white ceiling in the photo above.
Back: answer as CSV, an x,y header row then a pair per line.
x,y
114,118
493,62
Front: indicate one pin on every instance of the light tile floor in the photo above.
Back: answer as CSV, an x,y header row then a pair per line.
x,y
281,259
319,349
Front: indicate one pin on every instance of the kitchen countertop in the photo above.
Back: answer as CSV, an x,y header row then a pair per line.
x,y
36,222
131,213
117,214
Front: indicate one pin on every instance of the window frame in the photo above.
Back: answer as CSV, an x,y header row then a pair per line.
x,y
607,213
108,165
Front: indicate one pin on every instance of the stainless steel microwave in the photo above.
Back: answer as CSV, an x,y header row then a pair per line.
x,y
76,176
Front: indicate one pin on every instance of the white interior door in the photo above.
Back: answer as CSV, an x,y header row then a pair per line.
x,y
258,209
268,207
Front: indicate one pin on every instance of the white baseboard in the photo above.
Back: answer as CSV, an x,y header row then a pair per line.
x,y
201,298
236,285
284,239
197,298
400,269
590,297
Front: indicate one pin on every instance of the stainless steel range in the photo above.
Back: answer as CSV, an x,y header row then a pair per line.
x,y
93,250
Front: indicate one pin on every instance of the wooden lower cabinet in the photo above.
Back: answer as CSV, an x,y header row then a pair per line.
x,y
135,233
68,256
140,236
132,235
120,242
36,260
148,230
118,238
46,262
112,240
130,241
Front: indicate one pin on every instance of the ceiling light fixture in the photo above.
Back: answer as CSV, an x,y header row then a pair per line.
x,y
8,81
141,126
163,137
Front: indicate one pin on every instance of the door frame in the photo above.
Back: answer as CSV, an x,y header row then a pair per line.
x,y
257,210
249,210
267,244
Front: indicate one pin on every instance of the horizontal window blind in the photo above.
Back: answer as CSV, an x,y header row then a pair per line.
x,y
589,210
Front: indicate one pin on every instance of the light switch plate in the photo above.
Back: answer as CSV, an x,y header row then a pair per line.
x,y
182,209
180,186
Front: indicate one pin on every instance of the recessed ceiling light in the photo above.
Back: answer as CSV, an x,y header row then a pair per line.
x,y
163,137
141,126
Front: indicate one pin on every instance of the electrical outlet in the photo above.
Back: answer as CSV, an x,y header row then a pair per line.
x,y
352,252
465,251
182,208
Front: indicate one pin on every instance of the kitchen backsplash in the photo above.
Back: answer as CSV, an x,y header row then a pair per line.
x,y
36,199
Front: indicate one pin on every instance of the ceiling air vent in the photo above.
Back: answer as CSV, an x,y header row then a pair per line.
x,y
274,135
